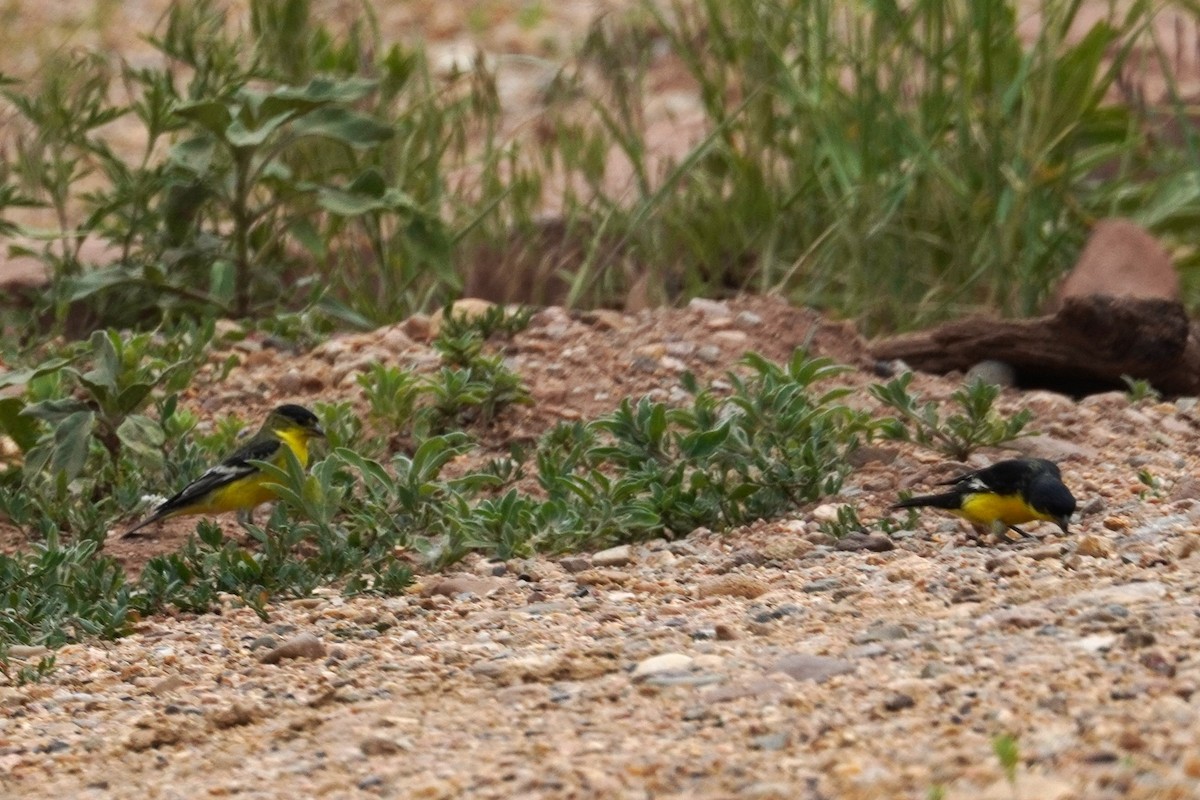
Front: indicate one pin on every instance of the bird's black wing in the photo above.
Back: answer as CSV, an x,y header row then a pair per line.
x,y
231,469
1005,477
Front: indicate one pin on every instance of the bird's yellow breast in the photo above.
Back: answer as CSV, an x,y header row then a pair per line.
x,y
986,508
296,441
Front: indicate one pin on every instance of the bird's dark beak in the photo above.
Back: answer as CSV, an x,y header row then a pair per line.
x,y
317,430
1063,522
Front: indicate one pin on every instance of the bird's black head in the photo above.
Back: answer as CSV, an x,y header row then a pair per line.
x,y
292,414
1050,496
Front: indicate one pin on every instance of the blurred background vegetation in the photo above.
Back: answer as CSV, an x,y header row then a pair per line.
x,y
896,163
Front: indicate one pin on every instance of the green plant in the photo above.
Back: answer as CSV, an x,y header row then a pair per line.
x,y
1009,755
1140,391
54,594
471,389
82,426
772,444
975,425
492,320
392,395
847,522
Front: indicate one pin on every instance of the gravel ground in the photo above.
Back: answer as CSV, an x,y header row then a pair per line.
x,y
766,662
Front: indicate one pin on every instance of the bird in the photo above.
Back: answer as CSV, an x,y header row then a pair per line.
x,y
235,484
1007,493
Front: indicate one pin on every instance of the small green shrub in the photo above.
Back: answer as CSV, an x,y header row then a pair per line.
x,y
975,425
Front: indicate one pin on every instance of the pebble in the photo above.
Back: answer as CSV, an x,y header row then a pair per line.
x,y
382,746
881,632
1099,643
871,542
820,585
306,645
459,585
807,667
898,702
1093,547
613,557
575,564
662,664
826,512
732,585
709,308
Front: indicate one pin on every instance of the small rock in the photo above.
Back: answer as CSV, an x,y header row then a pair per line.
x,y
1093,547
898,702
574,564
772,614
1137,638
724,633
1046,551
881,632
661,665
261,642
613,557
380,746
709,308
169,684
1158,664
826,512
770,741
1099,643
731,338
602,577
306,645
233,716
459,584
807,667
992,371
871,542
821,585
732,585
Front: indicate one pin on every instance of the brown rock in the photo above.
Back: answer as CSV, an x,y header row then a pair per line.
x,y
732,586
1120,259
305,645
233,716
459,584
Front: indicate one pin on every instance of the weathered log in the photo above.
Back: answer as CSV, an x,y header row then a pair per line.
x,y
1088,344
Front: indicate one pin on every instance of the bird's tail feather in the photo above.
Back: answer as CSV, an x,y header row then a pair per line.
x,y
950,500
148,521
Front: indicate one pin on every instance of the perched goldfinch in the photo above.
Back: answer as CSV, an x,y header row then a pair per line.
x,y
1006,493
235,484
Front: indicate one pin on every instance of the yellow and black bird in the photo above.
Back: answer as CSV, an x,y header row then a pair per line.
x,y
1006,493
235,484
